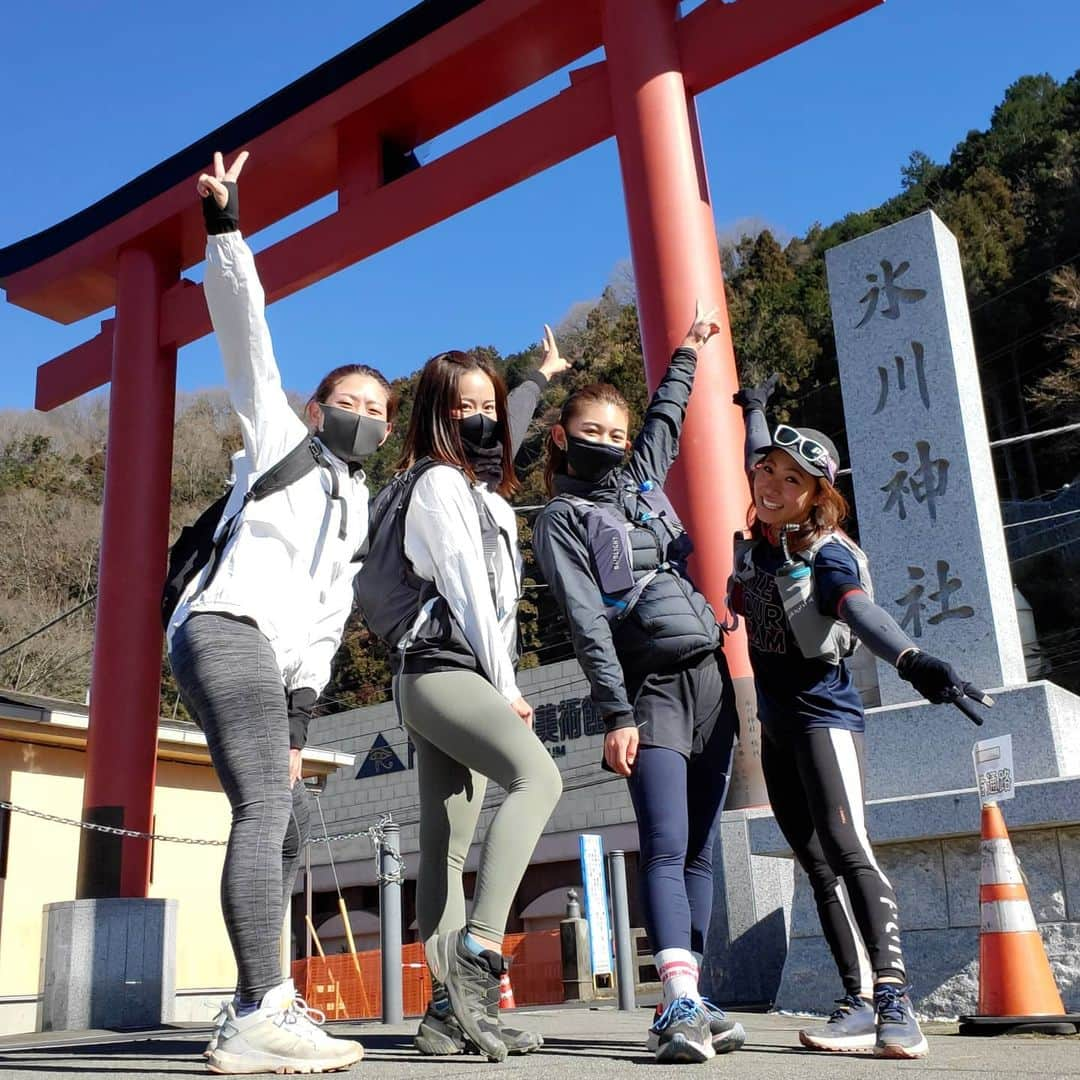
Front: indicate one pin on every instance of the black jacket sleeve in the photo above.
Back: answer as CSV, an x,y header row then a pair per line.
x,y
657,444
560,547
300,704
521,405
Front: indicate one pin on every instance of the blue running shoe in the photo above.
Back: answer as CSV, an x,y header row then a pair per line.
x,y
852,1026
682,1034
727,1035
898,1032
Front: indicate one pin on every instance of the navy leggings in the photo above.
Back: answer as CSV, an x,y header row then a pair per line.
x,y
677,801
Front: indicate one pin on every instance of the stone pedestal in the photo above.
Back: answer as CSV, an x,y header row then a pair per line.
x,y
107,963
752,896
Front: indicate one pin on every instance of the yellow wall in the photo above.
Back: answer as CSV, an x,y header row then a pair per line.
x,y
189,802
43,861
43,857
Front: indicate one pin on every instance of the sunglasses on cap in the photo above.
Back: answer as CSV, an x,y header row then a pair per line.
x,y
810,450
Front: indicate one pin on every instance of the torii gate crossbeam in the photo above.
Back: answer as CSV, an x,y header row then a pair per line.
x,y
345,127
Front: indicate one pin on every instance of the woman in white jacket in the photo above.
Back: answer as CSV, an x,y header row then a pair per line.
x,y
253,635
459,697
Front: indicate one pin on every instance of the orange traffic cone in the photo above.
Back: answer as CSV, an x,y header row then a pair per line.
x,y
1017,991
506,992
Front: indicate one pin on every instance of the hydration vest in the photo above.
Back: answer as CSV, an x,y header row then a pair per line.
x,y
819,637
639,550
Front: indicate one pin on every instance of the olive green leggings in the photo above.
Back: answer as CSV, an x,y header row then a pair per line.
x,y
465,733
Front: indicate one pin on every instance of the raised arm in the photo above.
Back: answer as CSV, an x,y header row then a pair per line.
x,y
237,306
657,444
522,401
753,401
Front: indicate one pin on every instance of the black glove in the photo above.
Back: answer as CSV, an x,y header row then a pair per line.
x,y
301,704
939,683
222,219
756,397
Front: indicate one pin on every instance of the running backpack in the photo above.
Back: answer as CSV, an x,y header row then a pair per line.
x,y
388,594
201,544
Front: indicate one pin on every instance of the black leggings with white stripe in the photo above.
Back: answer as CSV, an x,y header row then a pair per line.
x,y
815,785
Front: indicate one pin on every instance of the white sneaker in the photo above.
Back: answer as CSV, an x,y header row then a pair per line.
x,y
226,1012
281,1036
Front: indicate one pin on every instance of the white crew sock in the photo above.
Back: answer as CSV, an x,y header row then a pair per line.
x,y
679,974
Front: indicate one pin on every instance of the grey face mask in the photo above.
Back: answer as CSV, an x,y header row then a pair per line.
x,y
349,435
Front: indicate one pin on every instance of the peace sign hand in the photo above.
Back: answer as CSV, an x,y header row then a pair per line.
x,y
554,363
220,199
706,323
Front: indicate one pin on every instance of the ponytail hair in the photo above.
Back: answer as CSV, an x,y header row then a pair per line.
x,y
593,394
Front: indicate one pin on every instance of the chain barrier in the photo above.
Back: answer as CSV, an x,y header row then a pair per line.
x,y
377,835
134,834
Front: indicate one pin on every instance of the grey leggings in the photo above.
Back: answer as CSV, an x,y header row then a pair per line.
x,y
230,682
466,733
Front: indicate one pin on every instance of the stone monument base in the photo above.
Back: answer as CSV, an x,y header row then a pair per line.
x,y
107,964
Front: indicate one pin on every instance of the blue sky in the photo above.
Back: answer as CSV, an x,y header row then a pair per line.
x,y
96,93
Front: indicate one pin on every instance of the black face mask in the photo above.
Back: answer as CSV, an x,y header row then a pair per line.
x,y
479,431
591,461
479,437
349,435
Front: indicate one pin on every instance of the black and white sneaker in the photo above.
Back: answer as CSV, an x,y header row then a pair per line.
x,y
470,987
681,1035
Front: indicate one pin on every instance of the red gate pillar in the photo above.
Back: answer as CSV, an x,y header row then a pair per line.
x,y
676,258
121,752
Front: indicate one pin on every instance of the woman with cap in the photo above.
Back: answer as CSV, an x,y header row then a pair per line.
x,y
803,588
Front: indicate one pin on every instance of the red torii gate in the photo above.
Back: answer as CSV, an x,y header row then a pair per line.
x,y
346,127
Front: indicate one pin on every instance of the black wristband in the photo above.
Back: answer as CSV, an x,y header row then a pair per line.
x,y
222,219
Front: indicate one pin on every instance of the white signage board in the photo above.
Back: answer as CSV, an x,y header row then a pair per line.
x,y
994,772
596,902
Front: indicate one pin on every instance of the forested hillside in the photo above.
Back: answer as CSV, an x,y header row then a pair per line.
x,y
1011,194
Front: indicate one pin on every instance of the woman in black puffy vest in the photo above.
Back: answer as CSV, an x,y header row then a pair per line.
x,y
614,553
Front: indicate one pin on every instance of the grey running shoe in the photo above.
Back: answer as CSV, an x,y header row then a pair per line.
x,y
727,1035
682,1034
470,987
898,1032
852,1026
517,1041
439,1034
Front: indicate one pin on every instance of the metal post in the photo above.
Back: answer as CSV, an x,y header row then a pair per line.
x,y
625,967
389,861
307,901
